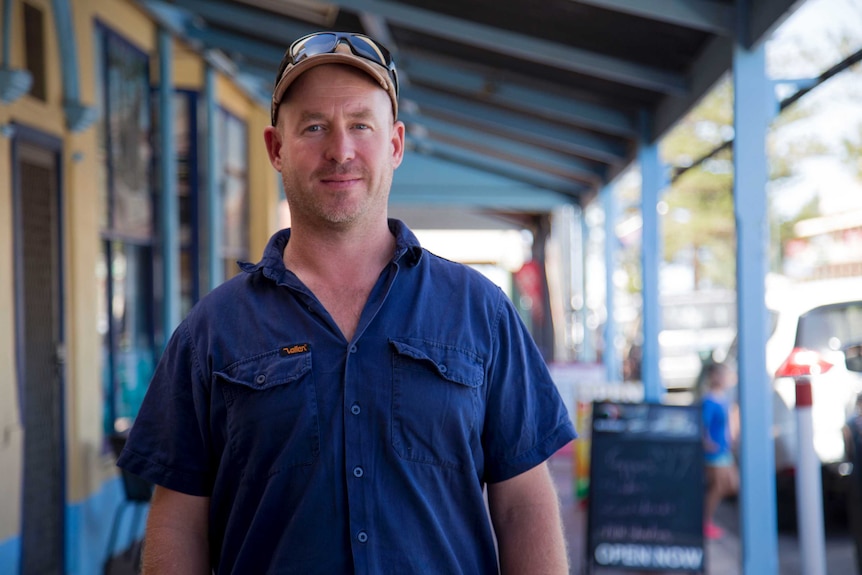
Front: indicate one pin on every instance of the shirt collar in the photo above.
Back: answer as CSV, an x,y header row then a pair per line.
x,y
407,250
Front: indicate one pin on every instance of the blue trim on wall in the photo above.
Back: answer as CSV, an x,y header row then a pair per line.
x,y
10,555
88,528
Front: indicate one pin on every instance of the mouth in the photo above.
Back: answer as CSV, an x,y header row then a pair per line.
x,y
340,180
340,183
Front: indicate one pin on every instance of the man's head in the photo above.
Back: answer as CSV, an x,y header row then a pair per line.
x,y
334,138
355,50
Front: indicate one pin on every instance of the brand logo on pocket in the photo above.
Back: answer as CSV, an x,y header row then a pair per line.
x,y
301,348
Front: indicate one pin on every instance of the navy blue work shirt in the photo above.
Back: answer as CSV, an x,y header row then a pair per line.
x,y
322,455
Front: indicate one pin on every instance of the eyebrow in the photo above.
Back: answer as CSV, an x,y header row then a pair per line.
x,y
362,114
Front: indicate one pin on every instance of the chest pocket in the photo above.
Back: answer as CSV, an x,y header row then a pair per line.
x,y
435,402
272,416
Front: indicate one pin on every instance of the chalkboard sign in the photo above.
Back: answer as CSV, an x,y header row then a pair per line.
x,y
646,488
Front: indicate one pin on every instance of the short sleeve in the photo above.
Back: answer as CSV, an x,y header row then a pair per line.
x,y
169,441
526,420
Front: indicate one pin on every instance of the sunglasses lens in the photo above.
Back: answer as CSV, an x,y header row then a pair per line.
x,y
370,50
312,46
362,46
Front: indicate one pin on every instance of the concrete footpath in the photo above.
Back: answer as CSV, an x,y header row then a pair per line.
x,y
723,556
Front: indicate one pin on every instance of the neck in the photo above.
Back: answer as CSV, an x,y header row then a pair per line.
x,y
340,268
342,252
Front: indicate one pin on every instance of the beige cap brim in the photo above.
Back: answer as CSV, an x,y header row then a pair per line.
x,y
291,73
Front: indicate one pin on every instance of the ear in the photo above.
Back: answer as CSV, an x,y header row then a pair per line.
x,y
397,143
272,138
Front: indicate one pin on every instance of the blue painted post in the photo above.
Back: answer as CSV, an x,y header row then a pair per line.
x,y
651,256
63,24
169,210
7,34
610,358
214,203
589,347
757,458
78,116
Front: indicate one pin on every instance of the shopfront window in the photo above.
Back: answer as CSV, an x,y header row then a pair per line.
x,y
233,173
125,271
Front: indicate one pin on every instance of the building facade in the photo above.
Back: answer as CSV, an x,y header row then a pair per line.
x,y
103,245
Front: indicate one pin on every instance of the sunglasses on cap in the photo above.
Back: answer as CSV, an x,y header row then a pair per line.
x,y
360,44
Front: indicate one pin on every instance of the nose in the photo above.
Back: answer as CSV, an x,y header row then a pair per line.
x,y
340,146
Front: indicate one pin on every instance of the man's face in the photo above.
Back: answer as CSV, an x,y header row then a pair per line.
x,y
336,147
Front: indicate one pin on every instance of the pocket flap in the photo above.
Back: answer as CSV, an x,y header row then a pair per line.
x,y
269,369
450,363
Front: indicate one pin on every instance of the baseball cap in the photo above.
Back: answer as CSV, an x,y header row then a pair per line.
x,y
357,50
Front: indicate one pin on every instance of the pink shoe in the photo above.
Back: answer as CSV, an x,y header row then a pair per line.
x,y
712,531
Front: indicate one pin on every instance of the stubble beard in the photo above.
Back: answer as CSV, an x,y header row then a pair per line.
x,y
303,199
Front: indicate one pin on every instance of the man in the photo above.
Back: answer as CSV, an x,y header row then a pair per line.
x,y
341,405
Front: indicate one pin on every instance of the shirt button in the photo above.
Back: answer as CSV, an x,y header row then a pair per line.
x,y
443,368
358,471
362,536
352,349
355,409
260,379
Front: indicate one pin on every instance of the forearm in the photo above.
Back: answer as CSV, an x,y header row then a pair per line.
x,y
531,542
171,551
177,540
529,528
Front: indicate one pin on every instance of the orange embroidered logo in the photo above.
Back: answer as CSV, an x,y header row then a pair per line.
x,y
301,348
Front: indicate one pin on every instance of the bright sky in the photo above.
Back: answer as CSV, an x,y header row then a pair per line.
x,y
818,35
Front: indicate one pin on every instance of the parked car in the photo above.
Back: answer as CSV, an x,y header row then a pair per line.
x,y
817,331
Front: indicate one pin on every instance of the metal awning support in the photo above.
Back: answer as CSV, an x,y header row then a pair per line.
x,y
651,255
752,100
78,116
14,83
169,211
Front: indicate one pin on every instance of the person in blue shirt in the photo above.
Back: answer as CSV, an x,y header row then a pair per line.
x,y
347,404
722,477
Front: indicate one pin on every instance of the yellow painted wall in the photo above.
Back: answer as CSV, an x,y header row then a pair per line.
x,y
188,68
263,184
262,179
88,466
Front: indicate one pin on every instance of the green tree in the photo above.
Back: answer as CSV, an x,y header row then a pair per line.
x,y
698,227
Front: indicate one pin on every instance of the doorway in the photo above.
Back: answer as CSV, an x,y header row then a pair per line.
x,y
40,352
